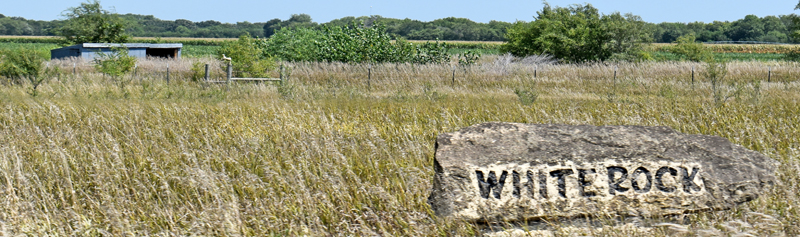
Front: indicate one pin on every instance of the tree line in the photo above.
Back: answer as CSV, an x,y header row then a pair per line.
x,y
750,28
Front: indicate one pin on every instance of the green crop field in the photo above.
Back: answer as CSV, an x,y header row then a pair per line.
x,y
326,153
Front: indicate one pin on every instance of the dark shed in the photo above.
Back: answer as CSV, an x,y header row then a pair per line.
x,y
88,51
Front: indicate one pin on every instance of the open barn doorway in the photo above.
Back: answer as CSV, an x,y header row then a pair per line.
x,y
162,52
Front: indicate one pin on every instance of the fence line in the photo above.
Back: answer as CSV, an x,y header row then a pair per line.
x,y
167,70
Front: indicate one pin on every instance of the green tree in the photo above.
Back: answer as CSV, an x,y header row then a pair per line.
x,y
627,35
795,33
90,23
576,33
749,28
296,21
668,31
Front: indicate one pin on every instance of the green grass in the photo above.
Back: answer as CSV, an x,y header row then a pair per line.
x,y
455,51
199,50
36,46
324,154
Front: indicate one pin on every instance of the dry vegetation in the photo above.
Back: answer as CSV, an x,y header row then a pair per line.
x,y
324,154
737,48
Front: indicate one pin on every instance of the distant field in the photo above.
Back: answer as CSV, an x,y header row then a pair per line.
x,y
199,47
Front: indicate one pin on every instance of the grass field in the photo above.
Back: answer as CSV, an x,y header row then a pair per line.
x,y
325,154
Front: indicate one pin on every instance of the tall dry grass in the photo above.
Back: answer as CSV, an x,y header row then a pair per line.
x,y
325,154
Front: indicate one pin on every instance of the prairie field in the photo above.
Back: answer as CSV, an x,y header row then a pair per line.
x,y
333,151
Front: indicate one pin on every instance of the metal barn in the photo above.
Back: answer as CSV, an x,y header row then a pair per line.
x,y
88,51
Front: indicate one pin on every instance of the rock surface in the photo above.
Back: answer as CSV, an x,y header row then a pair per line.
x,y
512,171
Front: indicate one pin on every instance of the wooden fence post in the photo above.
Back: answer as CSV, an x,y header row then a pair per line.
x,y
167,73
230,73
769,74
369,77
206,77
454,76
692,75
135,67
281,74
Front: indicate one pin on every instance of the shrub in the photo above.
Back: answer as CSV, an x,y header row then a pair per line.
x,y
293,44
468,58
116,64
198,71
690,50
350,44
526,97
715,72
248,57
357,44
23,64
577,33
429,52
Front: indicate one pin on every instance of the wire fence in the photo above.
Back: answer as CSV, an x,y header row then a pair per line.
x,y
491,70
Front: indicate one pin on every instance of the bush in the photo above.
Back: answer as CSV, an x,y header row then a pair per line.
x,y
116,64
429,52
357,44
468,58
293,44
688,49
248,57
715,72
526,97
577,33
351,44
793,56
21,63
24,64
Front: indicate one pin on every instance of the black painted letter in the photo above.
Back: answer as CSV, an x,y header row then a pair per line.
x,y
583,183
561,175
614,185
490,184
688,180
638,188
542,184
660,175
529,184
517,184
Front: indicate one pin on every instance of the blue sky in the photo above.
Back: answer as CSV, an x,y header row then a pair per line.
x,y
232,11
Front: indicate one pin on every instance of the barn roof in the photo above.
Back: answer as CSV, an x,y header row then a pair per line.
x,y
129,45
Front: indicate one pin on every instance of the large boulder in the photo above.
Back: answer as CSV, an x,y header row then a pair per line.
x,y
513,171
